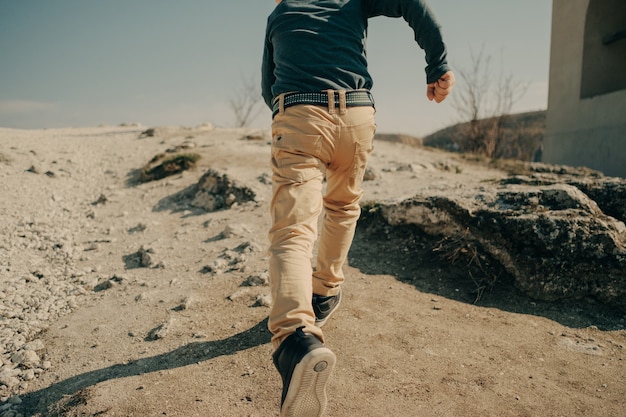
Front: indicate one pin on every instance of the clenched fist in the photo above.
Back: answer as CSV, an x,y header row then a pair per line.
x,y
440,89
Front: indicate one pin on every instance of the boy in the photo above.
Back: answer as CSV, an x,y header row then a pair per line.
x,y
315,80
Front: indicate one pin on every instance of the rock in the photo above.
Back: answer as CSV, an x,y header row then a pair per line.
x,y
140,259
9,378
154,131
33,169
28,375
215,267
263,300
164,165
104,285
405,167
100,201
183,146
161,331
140,227
546,231
235,230
25,359
247,247
257,280
184,304
265,178
242,292
215,191
370,174
145,260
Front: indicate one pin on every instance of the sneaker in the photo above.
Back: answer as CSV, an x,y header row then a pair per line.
x,y
324,307
304,364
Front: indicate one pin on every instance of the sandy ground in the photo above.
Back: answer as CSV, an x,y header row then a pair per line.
x,y
175,339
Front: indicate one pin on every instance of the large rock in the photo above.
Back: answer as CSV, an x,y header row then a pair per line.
x,y
216,191
559,236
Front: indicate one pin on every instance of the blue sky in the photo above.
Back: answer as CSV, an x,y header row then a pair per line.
x,y
85,62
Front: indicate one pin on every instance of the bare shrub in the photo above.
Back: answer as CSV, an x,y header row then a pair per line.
x,y
485,102
246,101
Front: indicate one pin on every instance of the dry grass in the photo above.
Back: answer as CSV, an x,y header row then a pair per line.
x,y
462,249
521,136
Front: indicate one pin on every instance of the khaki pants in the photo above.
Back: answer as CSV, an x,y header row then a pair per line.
x,y
309,143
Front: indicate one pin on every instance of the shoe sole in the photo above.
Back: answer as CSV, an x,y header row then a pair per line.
x,y
306,396
320,323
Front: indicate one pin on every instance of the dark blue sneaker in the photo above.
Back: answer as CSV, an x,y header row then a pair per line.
x,y
324,307
305,365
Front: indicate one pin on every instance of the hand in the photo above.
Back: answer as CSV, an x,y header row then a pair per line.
x,y
440,89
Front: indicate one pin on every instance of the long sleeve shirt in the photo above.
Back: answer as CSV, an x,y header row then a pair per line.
x,y
316,45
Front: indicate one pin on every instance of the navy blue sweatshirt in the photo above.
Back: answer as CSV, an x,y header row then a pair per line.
x,y
316,45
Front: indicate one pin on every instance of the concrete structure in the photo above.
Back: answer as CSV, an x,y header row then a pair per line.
x,y
586,118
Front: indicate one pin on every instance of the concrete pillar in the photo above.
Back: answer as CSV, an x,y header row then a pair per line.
x,y
586,118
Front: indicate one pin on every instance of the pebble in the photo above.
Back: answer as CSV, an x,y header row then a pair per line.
x,y
40,283
242,292
8,379
25,358
263,300
235,230
257,280
35,345
161,331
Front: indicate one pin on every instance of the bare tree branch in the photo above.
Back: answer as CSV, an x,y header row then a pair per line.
x,y
245,101
485,102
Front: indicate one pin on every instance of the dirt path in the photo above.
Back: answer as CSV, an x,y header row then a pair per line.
x,y
175,339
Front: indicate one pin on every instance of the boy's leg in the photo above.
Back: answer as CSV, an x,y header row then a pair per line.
x,y
300,356
298,173
341,202
295,208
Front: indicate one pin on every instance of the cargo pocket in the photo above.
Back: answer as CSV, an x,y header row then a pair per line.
x,y
362,150
296,156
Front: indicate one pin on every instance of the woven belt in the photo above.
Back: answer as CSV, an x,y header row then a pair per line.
x,y
354,98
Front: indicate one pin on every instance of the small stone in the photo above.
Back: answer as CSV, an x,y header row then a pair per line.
x,y
161,331
216,267
264,300
33,169
230,199
256,280
25,358
101,200
247,247
145,260
28,375
235,230
370,174
184,304
139,228
8,379
35,345
104,285
238,294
